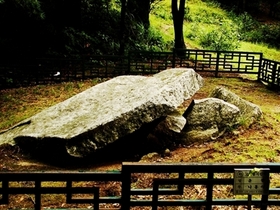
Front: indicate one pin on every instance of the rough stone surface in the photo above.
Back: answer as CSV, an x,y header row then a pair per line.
x,y
207,119
166,132
174,122
249,112
104,113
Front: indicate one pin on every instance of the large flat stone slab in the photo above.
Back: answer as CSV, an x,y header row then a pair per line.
x,y
106,112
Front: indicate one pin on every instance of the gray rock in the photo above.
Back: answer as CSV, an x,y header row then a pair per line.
x,y
104,113
249,112
207,119
199,136
165,134
174,122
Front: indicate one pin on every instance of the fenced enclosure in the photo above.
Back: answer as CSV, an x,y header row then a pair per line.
x,y
215,63
204,186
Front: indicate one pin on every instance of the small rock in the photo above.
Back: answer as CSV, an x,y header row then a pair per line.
x,y
167,152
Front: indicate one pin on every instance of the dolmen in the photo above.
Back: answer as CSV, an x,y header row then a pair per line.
x,y
105,113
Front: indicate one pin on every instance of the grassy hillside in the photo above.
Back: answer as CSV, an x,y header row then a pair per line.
x,y
206,20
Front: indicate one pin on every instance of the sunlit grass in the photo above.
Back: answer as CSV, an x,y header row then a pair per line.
x,y
201,17
268,52
21,103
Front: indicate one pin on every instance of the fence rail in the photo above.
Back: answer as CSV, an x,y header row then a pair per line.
x,y
171,184
49,70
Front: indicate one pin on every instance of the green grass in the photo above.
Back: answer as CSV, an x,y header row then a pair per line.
x,y
21,103
257,143
201,17
268,52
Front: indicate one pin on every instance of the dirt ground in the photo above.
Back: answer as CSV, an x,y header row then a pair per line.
x,y
12,158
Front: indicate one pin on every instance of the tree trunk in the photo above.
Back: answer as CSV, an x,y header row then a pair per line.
x,y
178,20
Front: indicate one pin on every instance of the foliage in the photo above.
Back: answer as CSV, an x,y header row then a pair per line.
x,y
144,40
31,7
161,12
241,6
267,33
58,28
225,38
20,28
245,23
268,52
98,33
251,35
213,3
35,28
211,28
252,31
204,15
161,23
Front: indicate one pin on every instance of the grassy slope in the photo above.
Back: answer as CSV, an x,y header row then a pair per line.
x,y
202,17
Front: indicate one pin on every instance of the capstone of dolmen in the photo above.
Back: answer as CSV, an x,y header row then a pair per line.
x,y
104,113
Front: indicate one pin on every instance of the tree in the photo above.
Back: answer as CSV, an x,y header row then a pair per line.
x,y
178,20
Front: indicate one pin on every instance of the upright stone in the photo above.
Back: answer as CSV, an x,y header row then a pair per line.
x,y
207,119
249,112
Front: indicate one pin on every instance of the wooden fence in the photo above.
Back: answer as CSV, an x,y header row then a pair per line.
x,y
170,184
215,63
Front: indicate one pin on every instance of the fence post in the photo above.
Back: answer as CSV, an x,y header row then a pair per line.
x,y
209,193
37,205
264,200
126,179
217,64
155,195
173,58
260,66
5,196
273,82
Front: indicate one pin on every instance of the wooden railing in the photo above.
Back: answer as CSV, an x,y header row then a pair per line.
x,y
215,63
169,184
